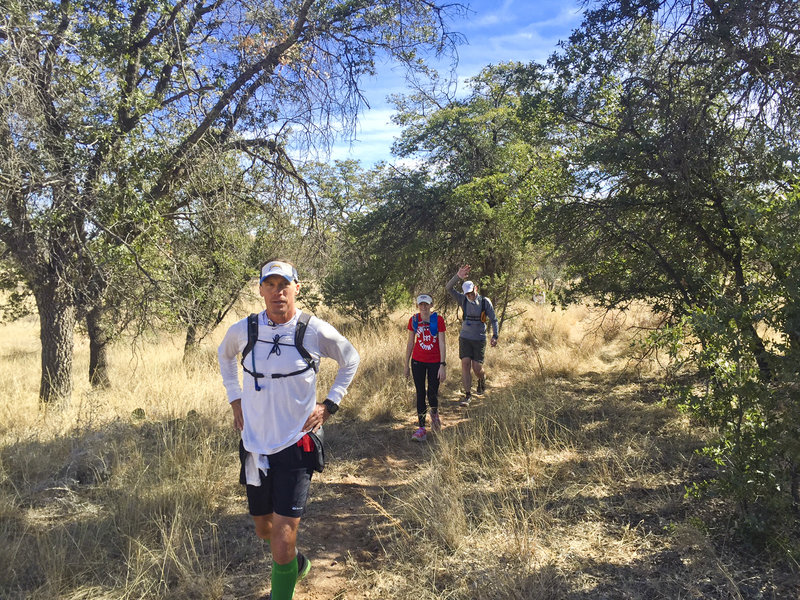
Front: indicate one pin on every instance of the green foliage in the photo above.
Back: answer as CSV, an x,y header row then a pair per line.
x,y
491,155
685,197
211,249
16,301
484,166
756,420
382,249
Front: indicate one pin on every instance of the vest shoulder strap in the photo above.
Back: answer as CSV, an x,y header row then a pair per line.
x,y
252,334
433,325
300,333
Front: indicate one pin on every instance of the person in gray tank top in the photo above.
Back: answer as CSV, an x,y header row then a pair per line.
x,y
478,310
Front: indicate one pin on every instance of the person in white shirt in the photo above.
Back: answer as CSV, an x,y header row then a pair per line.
x,y
275,409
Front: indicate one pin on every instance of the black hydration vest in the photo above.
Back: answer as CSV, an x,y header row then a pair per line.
x,y
299,334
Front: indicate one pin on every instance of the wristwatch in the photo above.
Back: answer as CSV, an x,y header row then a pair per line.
x,y
444,364
331,406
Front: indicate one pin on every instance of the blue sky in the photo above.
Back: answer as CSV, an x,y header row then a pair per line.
x,y
495,32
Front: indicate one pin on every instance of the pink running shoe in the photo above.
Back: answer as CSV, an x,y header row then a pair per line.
x,y
420,435
436,424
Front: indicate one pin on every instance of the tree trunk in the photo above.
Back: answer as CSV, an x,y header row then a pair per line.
x,y
191,344
506,300
759,351
98,349
57,322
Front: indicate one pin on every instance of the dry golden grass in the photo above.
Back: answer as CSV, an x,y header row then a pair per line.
x,y
565,481
97,502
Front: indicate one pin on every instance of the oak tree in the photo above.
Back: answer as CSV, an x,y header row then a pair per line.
x,y
107,105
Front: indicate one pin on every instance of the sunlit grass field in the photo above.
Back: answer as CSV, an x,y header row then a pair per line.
x,y
567,480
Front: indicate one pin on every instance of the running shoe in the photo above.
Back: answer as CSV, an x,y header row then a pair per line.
x,y
303,566
436,424
420,435
466,400
481,385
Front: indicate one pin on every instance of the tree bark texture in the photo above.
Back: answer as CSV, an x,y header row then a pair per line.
x,y
57,317
191,345
99,341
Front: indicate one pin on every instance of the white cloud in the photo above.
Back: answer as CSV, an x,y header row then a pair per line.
x,y
373,138
478,19
520,39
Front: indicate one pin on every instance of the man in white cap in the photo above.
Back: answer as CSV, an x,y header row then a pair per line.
x,y
275,410
477,310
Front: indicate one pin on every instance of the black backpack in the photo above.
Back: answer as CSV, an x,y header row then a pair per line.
x,y
299,334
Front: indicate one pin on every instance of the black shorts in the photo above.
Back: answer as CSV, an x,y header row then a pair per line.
x,y
474,349
284,490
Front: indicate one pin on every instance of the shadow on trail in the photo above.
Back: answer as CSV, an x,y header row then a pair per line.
x,y
615,429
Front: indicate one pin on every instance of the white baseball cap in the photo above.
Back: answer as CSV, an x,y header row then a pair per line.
x,y
467,286
424,298
277,267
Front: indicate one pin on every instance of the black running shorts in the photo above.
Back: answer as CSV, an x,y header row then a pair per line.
x,y
284,490
474,349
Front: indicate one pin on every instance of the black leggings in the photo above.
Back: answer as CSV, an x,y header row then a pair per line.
x,y
419,370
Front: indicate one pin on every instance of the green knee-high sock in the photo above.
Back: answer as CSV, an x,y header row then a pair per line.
x,y
283,579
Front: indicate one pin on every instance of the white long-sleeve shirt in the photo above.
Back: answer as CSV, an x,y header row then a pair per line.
x,y
275,415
